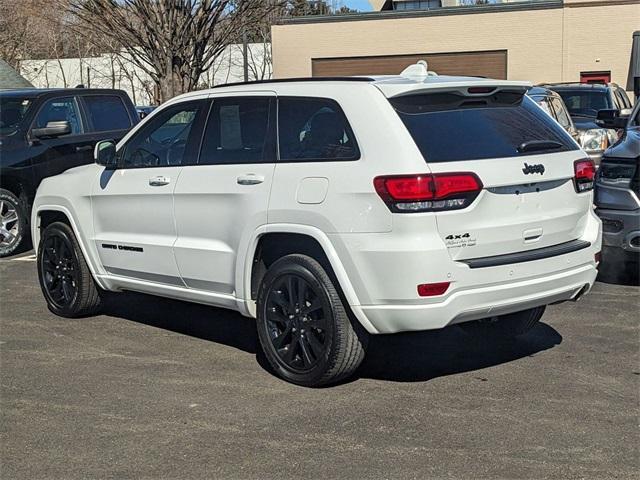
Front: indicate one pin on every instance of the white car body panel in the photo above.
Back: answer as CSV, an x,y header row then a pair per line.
x,y
200,231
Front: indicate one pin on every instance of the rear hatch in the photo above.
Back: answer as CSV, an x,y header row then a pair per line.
x,y
526,163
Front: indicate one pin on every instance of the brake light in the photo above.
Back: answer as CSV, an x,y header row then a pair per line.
x,y
432,289
585,173
428,192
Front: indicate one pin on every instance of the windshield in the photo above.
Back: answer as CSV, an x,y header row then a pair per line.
x,y
447,127
12,111
586,102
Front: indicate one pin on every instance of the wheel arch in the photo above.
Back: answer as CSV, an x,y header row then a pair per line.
x,y
288,239
45,215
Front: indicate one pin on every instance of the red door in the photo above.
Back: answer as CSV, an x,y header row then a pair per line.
x,y
595,77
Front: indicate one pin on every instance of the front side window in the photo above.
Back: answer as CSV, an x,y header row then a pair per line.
x,y
239,130
58,110
314,129
163,141
449,127
106,112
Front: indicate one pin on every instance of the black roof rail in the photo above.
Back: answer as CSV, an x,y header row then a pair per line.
x,y
559,84
299,79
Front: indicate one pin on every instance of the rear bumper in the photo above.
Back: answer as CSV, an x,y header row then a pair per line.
x,y
385,270
482,302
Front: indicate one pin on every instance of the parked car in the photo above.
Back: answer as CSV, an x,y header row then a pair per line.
x,y
552,103
143,111
584,100
44,132
617,192
331,209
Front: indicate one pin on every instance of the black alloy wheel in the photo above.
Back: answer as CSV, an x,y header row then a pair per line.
x,y
297,322
65,279
305,329
59,270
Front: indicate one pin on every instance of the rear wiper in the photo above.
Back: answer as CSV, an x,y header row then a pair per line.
x,y
536,145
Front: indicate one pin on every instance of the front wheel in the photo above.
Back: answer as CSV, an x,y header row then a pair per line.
x,y
13,223
65,279
509,325
304,329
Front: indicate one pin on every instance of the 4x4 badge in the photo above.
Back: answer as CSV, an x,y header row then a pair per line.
x,y
539,168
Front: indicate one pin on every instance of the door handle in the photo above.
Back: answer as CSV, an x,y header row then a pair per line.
x,y
84,148
159,181
250,179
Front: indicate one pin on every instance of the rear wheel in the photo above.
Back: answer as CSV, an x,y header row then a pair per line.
x,y
13,223
303,326
509,325
65,279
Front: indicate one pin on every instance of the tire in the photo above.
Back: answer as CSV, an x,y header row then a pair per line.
x,y
304,328
505,326
13,223
65,279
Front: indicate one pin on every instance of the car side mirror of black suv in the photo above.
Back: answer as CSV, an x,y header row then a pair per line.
x,y
105,154
612,118
53,129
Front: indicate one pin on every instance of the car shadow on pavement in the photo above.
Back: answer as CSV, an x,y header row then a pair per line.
x,y
421,356
208,323
402,357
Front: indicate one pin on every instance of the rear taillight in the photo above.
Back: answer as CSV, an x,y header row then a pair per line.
x,y
428,192
585,173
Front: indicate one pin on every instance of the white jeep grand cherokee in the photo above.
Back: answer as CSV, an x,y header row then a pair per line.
x,y
330,209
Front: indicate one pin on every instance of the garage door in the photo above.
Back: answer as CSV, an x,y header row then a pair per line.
x,y
492,64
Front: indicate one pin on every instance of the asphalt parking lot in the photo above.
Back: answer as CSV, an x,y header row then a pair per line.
x,y
156,388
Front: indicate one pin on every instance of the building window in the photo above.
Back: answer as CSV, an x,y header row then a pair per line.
x,y
417,5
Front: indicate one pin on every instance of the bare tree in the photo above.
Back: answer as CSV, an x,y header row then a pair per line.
x,y
172,41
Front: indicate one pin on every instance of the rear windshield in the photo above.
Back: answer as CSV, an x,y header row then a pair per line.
x,y
586,102
449,127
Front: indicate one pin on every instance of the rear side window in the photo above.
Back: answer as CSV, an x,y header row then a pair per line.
x,y
449,127
239,130
314,129
106,112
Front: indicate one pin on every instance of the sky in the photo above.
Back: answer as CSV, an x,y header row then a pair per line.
x,y
362,5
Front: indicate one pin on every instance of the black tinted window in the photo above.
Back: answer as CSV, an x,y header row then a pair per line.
x,y
163,140
239,131
57,110
449,127
586,101
12,112
107,112
314,129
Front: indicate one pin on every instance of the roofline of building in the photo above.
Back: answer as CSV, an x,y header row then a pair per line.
x,y
443,11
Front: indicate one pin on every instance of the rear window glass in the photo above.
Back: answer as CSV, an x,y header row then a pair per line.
x,y
586,102
107,112
449,127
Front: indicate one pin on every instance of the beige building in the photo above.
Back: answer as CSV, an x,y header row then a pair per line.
x,y
535,40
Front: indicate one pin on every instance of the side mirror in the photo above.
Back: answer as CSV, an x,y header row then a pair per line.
x,y
53,129
104,154
611,118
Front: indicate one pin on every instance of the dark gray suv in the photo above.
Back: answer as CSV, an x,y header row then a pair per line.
x,y
617,192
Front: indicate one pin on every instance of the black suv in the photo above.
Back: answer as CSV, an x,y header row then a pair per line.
x,y
44,132
584,101
617,192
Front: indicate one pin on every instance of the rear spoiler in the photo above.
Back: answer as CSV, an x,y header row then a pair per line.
x,y
477,88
